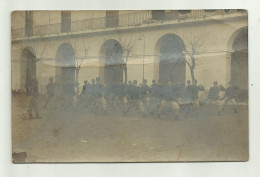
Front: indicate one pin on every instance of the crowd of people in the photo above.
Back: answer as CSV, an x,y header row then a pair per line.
x,y
156,99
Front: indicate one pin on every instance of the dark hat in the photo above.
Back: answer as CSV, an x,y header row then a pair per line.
x,y
85,81
215,82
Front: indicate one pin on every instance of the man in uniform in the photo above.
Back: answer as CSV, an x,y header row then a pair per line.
x,y
154,97
230,96
50,91
169,99
100,96
120,100
129,90
84,96
134,96
85,88
214,91
213,96
195,97
33,93
179,89
144,94
188,92
187,103
92,95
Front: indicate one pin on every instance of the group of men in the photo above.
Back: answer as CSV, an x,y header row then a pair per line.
x,y
155,99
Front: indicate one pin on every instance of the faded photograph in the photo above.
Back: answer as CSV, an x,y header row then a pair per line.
x,y
130,86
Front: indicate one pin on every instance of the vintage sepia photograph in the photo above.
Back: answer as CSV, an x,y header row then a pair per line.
x,y
129,86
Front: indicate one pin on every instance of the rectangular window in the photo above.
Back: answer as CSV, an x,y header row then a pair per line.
x,y
28,23
112,18
158,15
65,21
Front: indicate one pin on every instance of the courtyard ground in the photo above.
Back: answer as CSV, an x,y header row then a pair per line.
x,y
76,136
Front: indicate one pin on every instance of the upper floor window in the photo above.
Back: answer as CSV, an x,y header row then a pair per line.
x,y
112,18
65,21
28,23
158,15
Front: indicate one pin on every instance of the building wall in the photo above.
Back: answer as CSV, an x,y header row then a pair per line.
x,y
213,63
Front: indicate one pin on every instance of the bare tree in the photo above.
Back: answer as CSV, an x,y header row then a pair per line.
x,y
124,48
38,53
128,47
195,43
78,62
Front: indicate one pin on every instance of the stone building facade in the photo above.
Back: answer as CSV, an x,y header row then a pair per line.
x,y
116,46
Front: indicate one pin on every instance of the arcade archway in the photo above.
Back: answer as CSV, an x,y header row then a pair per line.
x,y
28,67
172,64
112,52
65,72
239,59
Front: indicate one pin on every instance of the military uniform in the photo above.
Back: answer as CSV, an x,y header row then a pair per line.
x,y
120,99
144,95
155,98
195,95
213,96
134,98
169,99
110,94
50,92
68,96
33,93
99,94
188,93
84,96
230,96
91,92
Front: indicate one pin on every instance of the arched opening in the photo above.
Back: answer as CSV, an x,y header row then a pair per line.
x,y
172,64
28,67
114,63
65,72
239,60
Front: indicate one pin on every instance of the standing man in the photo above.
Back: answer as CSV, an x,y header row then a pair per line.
x,y
120,96
100,96
169,99
187,103
230,96
144,93
134,95
50,91
85,88
154,97
213,96
188,92
84,96
33,93
195,95
214,91
92,94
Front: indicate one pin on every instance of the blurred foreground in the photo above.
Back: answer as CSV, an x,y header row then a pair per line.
x,y
72,135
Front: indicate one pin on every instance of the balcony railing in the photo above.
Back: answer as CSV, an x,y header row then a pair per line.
x,y
130,20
